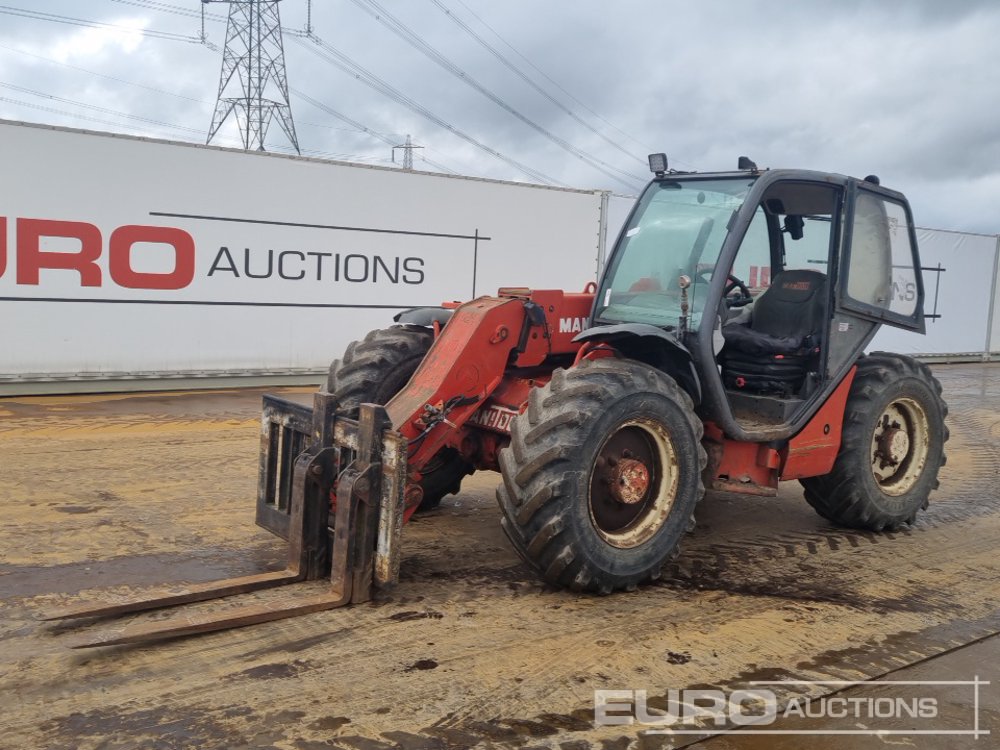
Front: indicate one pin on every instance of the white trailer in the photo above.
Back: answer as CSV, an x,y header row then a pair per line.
x,y
133,263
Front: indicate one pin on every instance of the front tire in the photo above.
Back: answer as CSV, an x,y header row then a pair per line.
x,y
602,475
891,449
374,370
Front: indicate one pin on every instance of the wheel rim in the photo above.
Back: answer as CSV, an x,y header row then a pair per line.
x,y
633,483
900,445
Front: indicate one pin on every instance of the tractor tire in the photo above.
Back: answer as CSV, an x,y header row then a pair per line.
x,y
891,447
376,369
602,475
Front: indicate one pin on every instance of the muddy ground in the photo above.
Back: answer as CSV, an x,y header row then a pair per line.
x,y
470,650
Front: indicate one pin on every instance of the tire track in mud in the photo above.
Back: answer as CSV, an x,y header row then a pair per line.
x,y
978,495
467,728
703,568
489,616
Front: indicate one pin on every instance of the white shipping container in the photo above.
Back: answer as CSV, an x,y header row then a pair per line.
x,y
960,286
125,257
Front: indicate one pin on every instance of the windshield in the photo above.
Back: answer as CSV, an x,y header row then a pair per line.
x,y
677,228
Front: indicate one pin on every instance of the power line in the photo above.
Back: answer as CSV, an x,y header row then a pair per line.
x,y
312,153
159,123
339,60
90,118
94,107
527,79
380,14
548,78
340,116
357,127
329,54
154,89
57,18
167,7
102,75
175,9
179,10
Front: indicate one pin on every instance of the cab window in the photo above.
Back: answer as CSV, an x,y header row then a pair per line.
x,y
880,272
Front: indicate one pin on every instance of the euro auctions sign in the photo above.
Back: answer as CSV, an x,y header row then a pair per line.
x,y
121,220
80,261
126,256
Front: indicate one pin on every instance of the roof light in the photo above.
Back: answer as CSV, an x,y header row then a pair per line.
x,y
658,163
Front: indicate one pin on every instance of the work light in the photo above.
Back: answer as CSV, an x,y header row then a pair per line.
x,y
658,163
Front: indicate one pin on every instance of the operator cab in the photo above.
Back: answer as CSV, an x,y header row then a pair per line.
x,y
771,281
772,353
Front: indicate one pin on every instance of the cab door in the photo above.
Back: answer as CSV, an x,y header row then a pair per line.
x,y
878,278
879,273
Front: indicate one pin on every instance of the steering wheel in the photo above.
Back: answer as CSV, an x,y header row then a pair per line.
x,y
741,300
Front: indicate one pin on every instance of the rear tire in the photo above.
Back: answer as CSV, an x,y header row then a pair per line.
x,y
891,447
374,370
602,475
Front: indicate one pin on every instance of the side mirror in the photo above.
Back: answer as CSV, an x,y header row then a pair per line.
x,y
794,225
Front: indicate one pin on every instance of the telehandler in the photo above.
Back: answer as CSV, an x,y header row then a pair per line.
x,y
722,348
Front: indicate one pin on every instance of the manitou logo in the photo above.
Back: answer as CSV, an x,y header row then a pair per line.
x,y
494,417
572,325
87,247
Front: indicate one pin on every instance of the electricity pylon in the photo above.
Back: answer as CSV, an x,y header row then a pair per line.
x,y
407,153
253,81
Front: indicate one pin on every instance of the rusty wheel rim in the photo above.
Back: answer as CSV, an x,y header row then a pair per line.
x,y
633,483
900,446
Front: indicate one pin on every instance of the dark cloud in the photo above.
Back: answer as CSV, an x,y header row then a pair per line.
x,y
907,89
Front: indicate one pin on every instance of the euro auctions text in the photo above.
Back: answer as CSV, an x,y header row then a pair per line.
x,y
746,707
900,708
79,246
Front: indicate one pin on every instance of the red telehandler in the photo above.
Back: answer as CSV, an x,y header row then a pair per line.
x,y
608,412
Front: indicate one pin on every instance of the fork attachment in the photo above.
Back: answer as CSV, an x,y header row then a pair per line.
x,y
307,459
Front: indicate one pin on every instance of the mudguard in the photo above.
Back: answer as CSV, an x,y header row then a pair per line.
x,y
653,345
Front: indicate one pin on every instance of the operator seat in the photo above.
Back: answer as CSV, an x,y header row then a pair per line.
x,y
773,351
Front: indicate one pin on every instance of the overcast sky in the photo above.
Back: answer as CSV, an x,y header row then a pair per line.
x,y
908,90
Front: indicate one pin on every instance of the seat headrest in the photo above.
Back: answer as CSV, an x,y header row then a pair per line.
x,y
796,285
